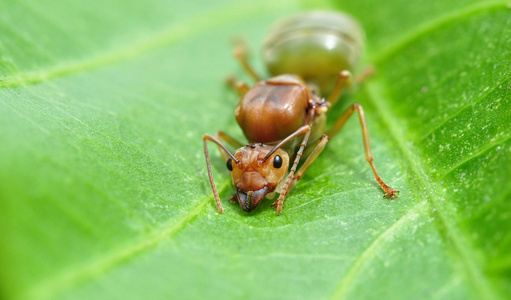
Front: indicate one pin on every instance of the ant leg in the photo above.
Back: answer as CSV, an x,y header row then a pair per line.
x,y
390,192
238,86
286,187
368,72
344,79
240,52
206,138
222,136
310,159
308,162
229,139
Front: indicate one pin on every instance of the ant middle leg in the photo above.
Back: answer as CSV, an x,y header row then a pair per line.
x,y
344,78
339,124
366,73
238,86
222,136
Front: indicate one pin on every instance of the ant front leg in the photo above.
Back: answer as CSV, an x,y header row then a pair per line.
x,y
299,174
310,159
290,178
206,138
390,192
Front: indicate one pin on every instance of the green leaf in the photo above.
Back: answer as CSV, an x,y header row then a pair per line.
x,y
103,185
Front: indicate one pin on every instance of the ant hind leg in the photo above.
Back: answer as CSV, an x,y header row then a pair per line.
x,y
339,124
240,52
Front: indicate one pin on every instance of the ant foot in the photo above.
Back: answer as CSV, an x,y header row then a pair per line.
x,y
390,193
277,206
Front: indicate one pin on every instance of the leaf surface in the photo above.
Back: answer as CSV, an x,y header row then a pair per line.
x,y
103,186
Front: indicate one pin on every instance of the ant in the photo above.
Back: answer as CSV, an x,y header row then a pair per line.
x,y
284,117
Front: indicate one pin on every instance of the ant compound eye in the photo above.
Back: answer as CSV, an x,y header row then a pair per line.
x,y
277,162
229,164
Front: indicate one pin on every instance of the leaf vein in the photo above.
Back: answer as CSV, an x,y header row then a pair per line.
x,y
481,97
434,25
51,287
341,290
476,155
159,40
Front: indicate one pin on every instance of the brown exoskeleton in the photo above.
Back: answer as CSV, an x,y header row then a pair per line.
x,y
284,117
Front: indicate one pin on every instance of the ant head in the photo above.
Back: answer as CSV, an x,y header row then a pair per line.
x,y
256,172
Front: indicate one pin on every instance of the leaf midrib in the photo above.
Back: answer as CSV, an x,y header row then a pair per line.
x,y
431,190
464,250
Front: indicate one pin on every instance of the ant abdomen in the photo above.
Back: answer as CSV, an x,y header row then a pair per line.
x,y
315,46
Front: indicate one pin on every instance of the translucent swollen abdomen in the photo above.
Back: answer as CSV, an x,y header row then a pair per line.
x,y
316,46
